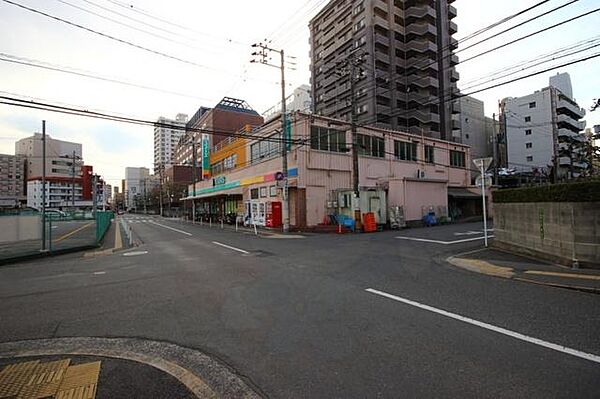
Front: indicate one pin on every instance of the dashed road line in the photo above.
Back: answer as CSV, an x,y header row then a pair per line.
x,y
230,247
442,242
536,341
171,228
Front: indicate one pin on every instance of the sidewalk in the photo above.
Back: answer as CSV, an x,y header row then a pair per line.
x,y
505,265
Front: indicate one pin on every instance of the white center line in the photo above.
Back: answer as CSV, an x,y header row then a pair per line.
x,y
443,242
171,228
522,337
230,247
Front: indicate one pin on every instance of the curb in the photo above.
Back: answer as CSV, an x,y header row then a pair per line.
x,y
204,376
483,267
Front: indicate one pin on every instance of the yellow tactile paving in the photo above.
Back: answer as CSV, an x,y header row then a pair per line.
x,y
80,382
56,379
14,376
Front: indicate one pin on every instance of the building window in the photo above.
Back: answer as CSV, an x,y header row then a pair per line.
x,y
457,158
527,132
528,145
405,151
429,154
361,109
370,145
254,193
263,192
359,25
324,139
532,104
265,149
529,158
528,119
273,191
358,9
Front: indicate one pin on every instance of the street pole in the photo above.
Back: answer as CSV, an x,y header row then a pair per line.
x,y
43,186
94,194
495,149
160,188
103,196
145,196
355,165
285,206
73,181
485,233
194,177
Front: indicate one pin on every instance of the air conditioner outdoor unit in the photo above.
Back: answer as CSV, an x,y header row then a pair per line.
x,y
420,174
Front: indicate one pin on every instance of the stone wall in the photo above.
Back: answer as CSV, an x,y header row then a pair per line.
x,y
555,231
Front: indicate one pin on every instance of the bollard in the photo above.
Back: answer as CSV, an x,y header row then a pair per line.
x,y
236,224
209,222
255,231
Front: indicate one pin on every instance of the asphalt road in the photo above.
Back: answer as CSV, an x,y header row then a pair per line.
x,y
294,315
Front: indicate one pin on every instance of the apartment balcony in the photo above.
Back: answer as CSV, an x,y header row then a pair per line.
x,y
453,43
423,116
454,59
425,81
574,109
421,28
454,75
421,46
420,11
453,27
381,39
378,20
451,12
456,107
455,122
569,121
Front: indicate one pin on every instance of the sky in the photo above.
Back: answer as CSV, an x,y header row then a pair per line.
x,y
205,51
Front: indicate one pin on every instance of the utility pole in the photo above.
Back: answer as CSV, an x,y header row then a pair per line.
x,y
94,194
194,177
553,96
160,188
351,67
495,149
145,196
262,53
43,186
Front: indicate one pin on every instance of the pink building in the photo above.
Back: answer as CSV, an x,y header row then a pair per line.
x,y
396,169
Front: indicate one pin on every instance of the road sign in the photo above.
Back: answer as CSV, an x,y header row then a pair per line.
x,y
483,162
488,181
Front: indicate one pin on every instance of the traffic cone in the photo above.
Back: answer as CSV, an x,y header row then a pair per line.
x,y
339,230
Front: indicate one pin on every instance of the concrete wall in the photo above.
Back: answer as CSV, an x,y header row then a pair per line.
x,y
557,231
19,228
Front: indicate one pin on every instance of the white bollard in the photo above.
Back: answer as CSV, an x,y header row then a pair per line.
x,y
209,222
221,222
255,231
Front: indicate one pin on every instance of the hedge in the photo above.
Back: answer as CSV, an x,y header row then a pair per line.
x,y
588,191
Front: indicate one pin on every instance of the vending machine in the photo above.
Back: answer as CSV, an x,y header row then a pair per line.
x,y
273,214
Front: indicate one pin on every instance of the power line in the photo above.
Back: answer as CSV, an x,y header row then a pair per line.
x,y
122,41
57,68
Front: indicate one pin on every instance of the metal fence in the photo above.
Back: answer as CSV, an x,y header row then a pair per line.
x,y
25,235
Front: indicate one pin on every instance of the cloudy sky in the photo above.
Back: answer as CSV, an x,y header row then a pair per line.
x,y
212,41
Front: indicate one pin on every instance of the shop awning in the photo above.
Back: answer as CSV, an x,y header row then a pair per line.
x,y
457,192
231,191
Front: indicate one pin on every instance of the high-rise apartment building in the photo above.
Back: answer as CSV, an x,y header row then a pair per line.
x,y
166,139
543,129
406,79
12,180
63,158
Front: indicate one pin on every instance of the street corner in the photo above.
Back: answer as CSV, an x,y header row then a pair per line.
x,y
90,368
501,264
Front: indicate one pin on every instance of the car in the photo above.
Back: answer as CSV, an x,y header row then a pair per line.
x,y
54,214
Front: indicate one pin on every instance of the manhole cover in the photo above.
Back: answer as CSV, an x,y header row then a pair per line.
x,y
135,253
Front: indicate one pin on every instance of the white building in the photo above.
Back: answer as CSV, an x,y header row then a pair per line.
x,y
166,139
545,126
136,184
63,158
300,100
474,129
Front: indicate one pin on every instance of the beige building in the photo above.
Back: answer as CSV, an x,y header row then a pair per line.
x,y
59,156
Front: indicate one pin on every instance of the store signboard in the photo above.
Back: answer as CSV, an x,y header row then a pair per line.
x,y
205,156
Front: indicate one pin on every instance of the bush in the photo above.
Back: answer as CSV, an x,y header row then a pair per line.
x,y
588,191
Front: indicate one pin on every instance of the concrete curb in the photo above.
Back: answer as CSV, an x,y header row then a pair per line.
x,y
483,267
201,374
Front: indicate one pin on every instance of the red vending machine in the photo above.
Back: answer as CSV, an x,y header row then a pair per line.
x,y
273,214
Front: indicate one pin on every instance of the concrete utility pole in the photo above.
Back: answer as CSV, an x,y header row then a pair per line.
x,y
94,194
554,133
263,57
160,188
43,186
351,67
494,148
194,177
145,195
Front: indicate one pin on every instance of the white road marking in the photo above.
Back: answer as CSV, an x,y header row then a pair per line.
x,y
98,273
230,247
134,253
171,228
536,341
442,242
